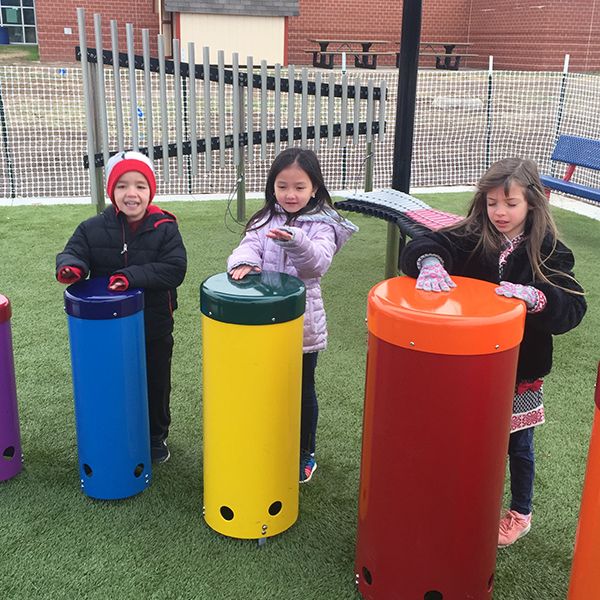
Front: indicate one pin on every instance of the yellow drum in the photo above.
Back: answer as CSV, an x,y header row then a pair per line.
x,y
252,374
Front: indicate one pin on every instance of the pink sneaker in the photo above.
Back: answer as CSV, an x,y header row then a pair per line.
x,y
513,526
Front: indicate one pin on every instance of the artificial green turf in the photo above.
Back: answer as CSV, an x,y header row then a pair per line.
x,y
57,543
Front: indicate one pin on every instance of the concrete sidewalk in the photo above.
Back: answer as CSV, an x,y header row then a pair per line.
x,y
577,206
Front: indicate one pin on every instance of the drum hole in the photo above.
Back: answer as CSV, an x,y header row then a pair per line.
x,y
275,508
226,513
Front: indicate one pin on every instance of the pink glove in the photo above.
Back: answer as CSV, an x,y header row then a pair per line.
x,y
527,293
433,277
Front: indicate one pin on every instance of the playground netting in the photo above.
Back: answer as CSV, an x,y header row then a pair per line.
x,y
465,120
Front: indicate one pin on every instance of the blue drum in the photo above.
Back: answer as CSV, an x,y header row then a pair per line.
x,y
108,358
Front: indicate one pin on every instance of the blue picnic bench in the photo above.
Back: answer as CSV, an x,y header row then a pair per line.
x,y
575,152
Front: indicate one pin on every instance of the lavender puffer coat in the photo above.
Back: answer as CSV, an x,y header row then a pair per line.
x,y
308,255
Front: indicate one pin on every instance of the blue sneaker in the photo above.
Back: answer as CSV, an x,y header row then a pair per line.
x,y
307,466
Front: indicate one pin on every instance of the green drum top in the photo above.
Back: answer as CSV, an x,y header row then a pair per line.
x,y
258,299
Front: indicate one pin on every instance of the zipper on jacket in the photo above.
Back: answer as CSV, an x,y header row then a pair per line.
x,y
124,251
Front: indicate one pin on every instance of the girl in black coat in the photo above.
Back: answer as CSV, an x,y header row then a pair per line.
x,y
509,238
136,244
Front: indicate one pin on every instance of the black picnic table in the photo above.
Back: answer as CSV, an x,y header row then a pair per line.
x,y
447,59
364,58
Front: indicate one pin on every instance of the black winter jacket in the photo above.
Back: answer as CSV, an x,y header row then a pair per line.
x,y
154,258
563,311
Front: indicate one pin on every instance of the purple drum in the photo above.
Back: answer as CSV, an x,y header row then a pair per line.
x,y
10,444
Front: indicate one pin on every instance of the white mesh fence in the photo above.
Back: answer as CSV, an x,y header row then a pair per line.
x,y
464,121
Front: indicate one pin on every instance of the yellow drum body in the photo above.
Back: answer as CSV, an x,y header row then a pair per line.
x,y
252,375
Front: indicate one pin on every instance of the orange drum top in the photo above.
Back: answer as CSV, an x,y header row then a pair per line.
x,y
469,319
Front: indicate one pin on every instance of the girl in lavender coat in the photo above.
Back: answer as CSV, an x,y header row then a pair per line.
x,y
297,232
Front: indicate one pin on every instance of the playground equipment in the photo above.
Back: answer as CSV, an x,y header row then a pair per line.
x,y
585,576
111,398
242,111
252,368
11,461
438,399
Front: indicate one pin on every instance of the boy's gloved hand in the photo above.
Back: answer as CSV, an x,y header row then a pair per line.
x,y
433,277
69,274
527,293
118,283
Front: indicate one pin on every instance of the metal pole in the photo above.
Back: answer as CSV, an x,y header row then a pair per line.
x,y
148,94
392,250
133,114
9,164
238,128
561,106
186,133
192,106
407,91
241,189
405,117
114,34
97,128
490,98
369,159
344,120
369,168
91,147
102,138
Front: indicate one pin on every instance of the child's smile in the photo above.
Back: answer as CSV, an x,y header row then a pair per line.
x,y
132,195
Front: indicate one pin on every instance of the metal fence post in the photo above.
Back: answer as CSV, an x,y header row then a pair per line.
x,y
369,139
240,166
4,133
561,106
488,128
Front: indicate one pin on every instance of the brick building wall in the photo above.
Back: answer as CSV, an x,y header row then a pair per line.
x,y
520,35
53,17
536,36
377,19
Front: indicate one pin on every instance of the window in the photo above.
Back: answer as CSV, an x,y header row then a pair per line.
x,y
18,18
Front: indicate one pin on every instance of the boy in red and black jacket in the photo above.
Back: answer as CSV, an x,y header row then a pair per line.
x,y
136,244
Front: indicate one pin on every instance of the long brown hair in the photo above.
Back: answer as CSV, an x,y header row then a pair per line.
x,y
538,224
307,160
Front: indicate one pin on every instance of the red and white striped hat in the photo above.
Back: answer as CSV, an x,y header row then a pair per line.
x,y
124,162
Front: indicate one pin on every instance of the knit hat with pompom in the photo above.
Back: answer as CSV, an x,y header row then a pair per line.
x,y
122,163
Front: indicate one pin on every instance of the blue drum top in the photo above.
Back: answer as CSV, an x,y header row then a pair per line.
x,y
91,299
